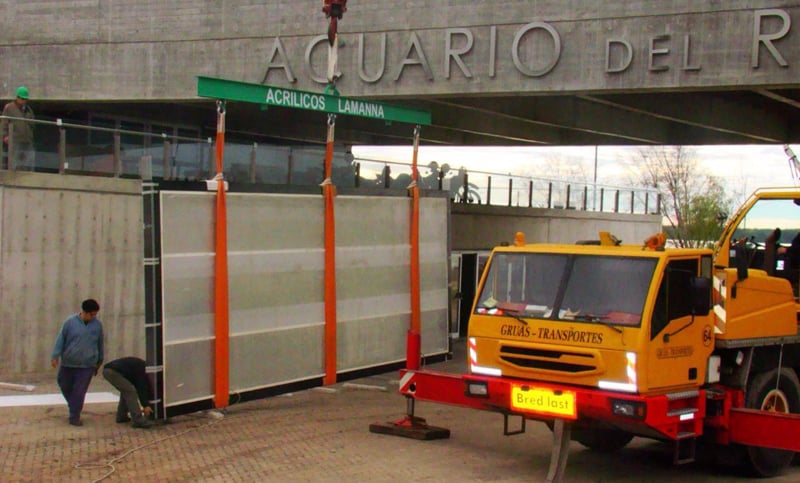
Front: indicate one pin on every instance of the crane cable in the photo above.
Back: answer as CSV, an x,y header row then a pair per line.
x,y
110,463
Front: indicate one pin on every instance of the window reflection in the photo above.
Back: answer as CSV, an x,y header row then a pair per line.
x,y
568,287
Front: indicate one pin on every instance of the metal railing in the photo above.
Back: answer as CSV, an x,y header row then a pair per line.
x,y
92,150
65,147
497,189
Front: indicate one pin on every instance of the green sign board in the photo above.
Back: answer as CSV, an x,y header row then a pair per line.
x,y
312,101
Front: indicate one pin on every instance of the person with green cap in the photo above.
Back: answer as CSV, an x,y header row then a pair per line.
x,y
20,132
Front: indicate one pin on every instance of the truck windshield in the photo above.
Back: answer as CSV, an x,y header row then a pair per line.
x,y
602,289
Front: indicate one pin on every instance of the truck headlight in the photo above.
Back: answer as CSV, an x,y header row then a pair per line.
x,y
477,389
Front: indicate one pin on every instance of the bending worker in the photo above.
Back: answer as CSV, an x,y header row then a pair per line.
x,y
128,376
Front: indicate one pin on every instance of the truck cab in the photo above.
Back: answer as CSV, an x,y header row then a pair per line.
x,y
668,343
622,318
757,268
604,341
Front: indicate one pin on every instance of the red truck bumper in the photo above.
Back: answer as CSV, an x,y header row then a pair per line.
x,y
662,417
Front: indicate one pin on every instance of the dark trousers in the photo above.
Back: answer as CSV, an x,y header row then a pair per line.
x,y
128,397
24,157
74,382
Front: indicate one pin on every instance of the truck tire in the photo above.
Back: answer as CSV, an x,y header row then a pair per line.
x,y
602,440
777,391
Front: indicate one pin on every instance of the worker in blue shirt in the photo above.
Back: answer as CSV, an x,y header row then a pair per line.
x,y
79,347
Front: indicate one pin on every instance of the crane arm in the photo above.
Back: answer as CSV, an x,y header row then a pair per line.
x,y
333,9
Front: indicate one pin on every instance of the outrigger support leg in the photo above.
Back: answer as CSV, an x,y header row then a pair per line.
x,y
558,457
410,426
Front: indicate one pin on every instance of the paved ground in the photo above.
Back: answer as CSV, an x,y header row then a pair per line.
x,y
316,435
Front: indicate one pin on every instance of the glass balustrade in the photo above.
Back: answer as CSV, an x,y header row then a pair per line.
x,y
123,149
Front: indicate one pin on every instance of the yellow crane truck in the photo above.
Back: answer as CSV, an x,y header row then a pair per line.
x,y
605,341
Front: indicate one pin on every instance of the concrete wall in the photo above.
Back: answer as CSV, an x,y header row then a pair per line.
x,y
146,50
64,239
481,227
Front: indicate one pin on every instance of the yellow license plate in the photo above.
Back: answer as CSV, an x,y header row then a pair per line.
x,y
544,401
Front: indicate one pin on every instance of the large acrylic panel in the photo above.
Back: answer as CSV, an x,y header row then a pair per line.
x,y
188,371
275,357
276,287
373,278
276,273
187,270
434,266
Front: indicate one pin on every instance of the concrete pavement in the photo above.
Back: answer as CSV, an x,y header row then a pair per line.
x,y
316,435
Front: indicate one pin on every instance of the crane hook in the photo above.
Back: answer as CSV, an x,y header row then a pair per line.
x,y
333,9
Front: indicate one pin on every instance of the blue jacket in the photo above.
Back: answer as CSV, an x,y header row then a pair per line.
x,y
79,344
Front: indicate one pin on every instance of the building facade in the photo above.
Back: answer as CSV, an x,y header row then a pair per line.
x,y
507,72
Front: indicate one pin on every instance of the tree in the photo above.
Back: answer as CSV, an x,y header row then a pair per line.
x,y
694,204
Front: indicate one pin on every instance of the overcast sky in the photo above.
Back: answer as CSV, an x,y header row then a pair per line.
x,y
742,168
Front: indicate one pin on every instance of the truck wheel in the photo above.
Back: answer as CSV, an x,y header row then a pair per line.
x,y
603,440
769,392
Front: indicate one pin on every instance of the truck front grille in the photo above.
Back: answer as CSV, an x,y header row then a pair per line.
x,y
550,360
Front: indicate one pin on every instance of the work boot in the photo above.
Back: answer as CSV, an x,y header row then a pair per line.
x,y
142,423
123,419
75,422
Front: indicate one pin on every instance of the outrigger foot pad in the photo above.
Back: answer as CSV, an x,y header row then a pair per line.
x,y
410,427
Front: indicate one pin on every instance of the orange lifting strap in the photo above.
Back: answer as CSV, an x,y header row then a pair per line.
x,y
329,194
221,313
413,341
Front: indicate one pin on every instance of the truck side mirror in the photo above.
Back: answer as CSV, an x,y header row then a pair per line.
x,y
741,261
700,290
